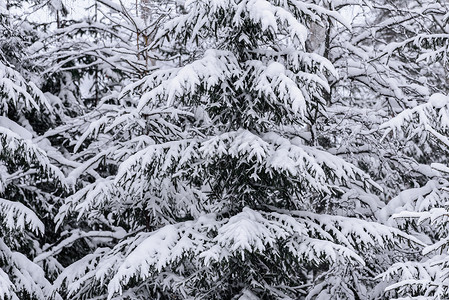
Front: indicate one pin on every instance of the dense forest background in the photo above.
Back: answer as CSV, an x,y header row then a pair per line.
x,y
224,149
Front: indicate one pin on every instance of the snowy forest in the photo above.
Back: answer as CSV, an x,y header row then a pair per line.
x,y
224,149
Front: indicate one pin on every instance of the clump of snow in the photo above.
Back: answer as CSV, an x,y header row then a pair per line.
x,y
438,100
274,69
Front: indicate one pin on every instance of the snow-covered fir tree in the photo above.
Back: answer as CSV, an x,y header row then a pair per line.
x,y
422,129
423,210
209,178
30,184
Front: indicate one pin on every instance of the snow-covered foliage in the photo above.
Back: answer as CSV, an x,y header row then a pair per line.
x,y
423,209
217,149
